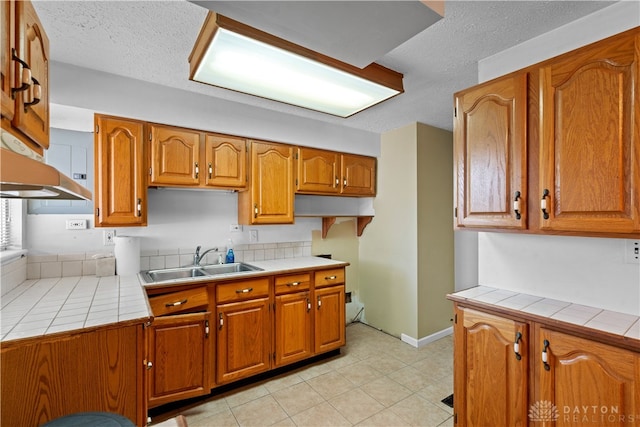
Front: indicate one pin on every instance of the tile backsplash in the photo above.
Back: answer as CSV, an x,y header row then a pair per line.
x,y
84,263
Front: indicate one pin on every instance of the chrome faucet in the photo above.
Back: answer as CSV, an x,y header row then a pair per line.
x,y
197,257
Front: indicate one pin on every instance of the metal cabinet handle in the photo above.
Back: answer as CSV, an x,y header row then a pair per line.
x,y
255,210
330,277
337,182
308,305
516,205
139,207
206,329
26,79
543,204
293,284
210,170
243,291
516,345
344,182
545,355
149,365
319,303
175,304
197,170
221,321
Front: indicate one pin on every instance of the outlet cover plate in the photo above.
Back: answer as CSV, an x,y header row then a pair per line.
x,y
632,252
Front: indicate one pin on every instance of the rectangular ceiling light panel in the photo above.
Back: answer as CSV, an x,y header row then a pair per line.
x,y
241,63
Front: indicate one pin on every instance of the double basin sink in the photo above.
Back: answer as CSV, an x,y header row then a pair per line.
x,y
196,271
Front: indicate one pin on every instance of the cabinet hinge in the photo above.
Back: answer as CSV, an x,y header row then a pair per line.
x,y
97,129
150,139
98,212
455,318
296,156
296,182
455,212
455,112
149,171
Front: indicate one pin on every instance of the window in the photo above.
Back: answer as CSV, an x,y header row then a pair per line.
x,y
5,228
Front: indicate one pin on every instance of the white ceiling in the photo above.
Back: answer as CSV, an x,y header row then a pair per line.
x,y
152,40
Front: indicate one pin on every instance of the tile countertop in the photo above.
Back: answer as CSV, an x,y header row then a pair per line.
x,y
611,322
47,306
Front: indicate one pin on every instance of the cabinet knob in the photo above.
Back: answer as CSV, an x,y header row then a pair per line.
x,y
149,364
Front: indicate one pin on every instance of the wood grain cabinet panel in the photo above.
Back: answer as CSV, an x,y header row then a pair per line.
x,y
490,154
317,171
225,161
175,156
358,175
491,382
120,191
292,327
329,321
7,70
589,151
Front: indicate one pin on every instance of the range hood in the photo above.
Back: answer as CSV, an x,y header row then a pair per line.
x,y
22,177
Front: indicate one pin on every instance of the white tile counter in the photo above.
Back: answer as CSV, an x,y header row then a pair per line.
x,y
622,324
40,307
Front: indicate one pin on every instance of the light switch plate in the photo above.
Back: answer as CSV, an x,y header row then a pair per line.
x,y
76,224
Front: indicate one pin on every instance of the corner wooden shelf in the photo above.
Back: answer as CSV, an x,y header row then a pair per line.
x,y
362,222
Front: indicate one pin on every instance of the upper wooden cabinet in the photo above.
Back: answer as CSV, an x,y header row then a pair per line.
x,y
269,199
175,156
25,74
225,160
589,132
490,154
554,148
358,175
331,173
120,190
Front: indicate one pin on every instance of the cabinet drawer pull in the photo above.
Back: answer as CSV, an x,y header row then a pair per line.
x,y
308,305
545,355
330,277
516,205
175,304
516,345
37,94
139,207
543,204
197,170
255,210
319,303
149,365
26,75
210,171
206,329
243,291
221,321
293,284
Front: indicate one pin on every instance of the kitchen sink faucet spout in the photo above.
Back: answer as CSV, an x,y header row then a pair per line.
x,y
197,257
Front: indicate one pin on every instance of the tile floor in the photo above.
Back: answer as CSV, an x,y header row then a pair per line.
x,y
377,380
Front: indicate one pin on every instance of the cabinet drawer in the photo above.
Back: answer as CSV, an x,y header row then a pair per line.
x,y
329,277
292,283
242,290
179,302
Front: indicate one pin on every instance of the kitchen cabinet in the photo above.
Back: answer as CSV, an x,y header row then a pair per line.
x,y
293,318
120,190
226,160
512,368
329,321
491,379
358,175
590,126
25,74
243,318
331,173
174,156
490,154
552,148
95,370
269,198
179,345
581,373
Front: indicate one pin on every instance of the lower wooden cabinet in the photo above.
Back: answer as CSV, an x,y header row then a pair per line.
x,y
180,357
293,318
518,372
329,324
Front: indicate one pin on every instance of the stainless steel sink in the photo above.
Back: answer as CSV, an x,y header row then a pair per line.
x,y
191,272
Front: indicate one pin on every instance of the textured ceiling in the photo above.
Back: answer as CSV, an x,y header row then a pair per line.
x,y
151,40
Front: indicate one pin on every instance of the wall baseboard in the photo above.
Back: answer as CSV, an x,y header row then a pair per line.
x,y
428,339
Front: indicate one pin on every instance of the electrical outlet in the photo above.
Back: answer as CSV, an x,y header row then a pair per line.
x,y
108,237
632,252
76,224
253,236
235,227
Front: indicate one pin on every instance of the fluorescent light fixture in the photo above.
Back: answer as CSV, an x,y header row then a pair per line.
x,y
234,56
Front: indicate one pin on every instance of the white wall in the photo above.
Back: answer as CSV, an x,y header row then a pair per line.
x,y
178,218
588,271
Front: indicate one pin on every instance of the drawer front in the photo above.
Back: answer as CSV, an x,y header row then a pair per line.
x,y
292,283
179,302
335,276
242,290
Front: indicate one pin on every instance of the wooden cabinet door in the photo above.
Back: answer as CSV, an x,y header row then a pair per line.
x,y
490,154
179,351
358,175
32,105
490,381
175,156
7,70
243,339
329,322
589,153
270,199
317,171
226,161
292,328
120,191
588,383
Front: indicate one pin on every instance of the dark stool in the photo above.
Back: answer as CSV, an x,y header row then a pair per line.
x,y
92,419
